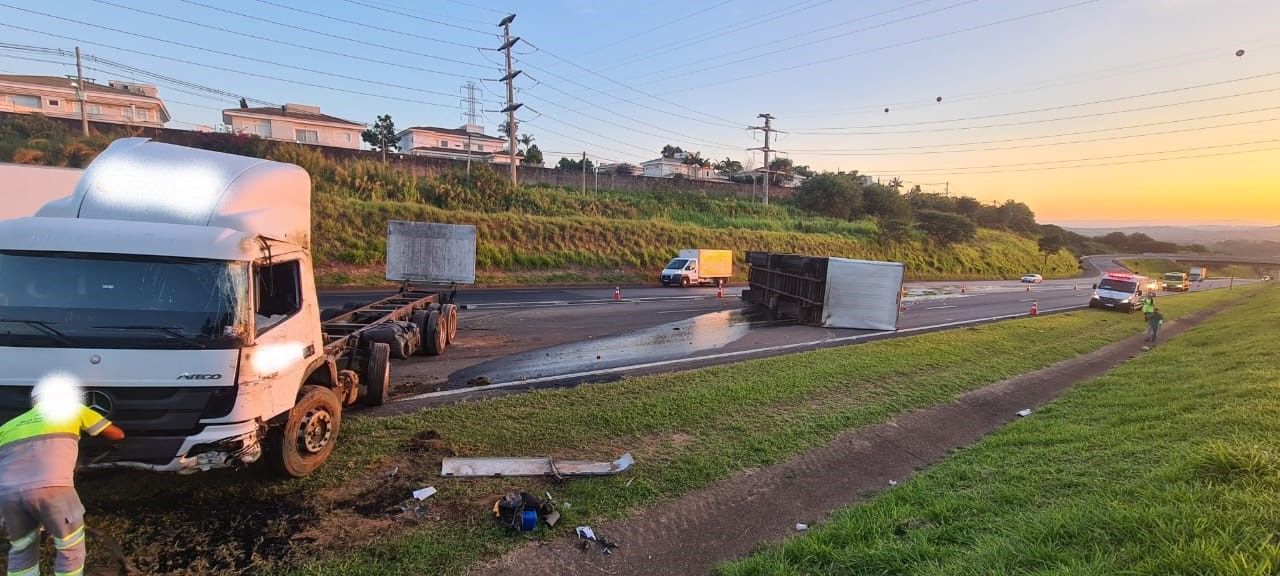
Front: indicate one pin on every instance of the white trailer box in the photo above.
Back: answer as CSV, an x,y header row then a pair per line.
x,y
429,253
25,188
862,294
828,292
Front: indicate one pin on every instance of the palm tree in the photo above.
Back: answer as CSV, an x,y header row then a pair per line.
x,y
895,183
525,140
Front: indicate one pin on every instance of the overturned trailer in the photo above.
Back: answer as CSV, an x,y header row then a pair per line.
x,y
828,292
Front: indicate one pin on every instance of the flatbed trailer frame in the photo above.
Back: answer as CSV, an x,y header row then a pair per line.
x,y
342,332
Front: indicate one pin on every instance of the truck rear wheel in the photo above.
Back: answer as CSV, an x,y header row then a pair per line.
x,y
436,338
451,316
307,436
377,374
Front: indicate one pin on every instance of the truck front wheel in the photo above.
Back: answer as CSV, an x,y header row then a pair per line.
x,y
377,374
307,436
684,282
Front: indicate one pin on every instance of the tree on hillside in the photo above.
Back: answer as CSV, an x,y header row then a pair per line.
x,y
525,140
920,200
728,167
381,136
1052,239
532,156
670,151
624,169
883,201
895,183
1018,217
969,207
946,228
834,195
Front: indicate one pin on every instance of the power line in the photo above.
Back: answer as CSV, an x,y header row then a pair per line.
x,y
588,131
419,12
1025,138
224,69
1045,120
424,19
344,21
894,45
1144,161
293,44
728,123
470,5
231,54
953,170
661,26
663,78
1025,146
1050,108
571,138
766,18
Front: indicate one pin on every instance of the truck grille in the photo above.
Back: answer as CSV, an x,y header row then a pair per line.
x,y
169,411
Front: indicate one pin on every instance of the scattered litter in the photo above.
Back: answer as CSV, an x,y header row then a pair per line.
x,y
1146,348
521,512
630,480
489,467
1025,412
893,482
589,536
393,471
586,532
566,505
801,527
479,381
424,493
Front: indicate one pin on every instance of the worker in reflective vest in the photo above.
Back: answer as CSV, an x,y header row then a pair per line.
x,y
38,452
1148,306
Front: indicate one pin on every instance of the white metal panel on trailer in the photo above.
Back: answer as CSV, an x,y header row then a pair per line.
x,y
431,253
862,294
24,188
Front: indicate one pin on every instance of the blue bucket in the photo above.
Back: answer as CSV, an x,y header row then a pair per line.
x,y
528,520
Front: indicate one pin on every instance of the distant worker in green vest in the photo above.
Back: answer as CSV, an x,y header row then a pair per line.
x,y
38,452
1153,325
1148,306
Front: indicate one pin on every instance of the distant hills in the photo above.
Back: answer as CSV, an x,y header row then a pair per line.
x,y
1196,234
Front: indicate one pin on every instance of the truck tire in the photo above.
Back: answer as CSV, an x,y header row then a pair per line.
x,y
436,338
451,316
420,319
377,374
684,282
308,434
399,336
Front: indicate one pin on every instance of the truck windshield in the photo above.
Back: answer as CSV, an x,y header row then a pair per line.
x,y
110,301
1118,285
1173,277
678,264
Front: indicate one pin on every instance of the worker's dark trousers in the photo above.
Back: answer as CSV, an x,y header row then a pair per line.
x,y
1151,333
58,510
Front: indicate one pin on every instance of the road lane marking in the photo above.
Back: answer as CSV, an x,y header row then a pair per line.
x,y
941,307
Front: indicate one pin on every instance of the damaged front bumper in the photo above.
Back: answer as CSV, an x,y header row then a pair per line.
x,y
221,446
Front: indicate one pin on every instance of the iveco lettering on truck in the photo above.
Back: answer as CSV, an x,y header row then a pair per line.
x,y
1119,291
695,267
177,285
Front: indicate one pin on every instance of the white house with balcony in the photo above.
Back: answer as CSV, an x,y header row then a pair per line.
x,y
670,167
118,102
295,123
468,140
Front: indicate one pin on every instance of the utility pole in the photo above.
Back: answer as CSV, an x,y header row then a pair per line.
x,y
768,130
84,112
507,43
584,172
947,187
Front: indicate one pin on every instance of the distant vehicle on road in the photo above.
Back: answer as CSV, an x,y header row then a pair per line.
x,y
694,267
1032,279
1198,274
1119,291
1266,278
1176,282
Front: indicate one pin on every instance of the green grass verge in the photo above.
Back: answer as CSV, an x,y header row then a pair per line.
x,y
686,430
1153,267
1167,465
1156,267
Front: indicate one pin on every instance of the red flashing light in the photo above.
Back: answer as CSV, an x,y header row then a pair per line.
x,y
1120,275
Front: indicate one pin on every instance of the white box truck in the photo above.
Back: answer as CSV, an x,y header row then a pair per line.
x,y
177,285
1198,274
696,267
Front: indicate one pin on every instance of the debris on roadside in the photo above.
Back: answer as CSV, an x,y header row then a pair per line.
x,y
424,493
498,467
1024,413
521,512
801,527
589,537
893,482
479,381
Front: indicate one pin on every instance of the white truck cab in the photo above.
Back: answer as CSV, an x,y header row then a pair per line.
x,y
177,285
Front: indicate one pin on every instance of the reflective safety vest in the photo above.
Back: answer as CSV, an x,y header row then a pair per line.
x,y
38,453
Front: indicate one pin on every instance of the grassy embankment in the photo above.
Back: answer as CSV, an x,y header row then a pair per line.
x,y
545,235
1167,465
1156,267
686,431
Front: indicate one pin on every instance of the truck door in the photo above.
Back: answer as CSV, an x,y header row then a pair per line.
x,y
283,335
691,271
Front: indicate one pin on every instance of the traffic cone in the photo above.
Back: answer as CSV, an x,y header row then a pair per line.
x,y
720,290
1028,287
962,289
1035,308
617,294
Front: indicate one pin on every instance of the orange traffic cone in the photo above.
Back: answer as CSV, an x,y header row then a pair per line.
x,y
1035,308
720,290
617,294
